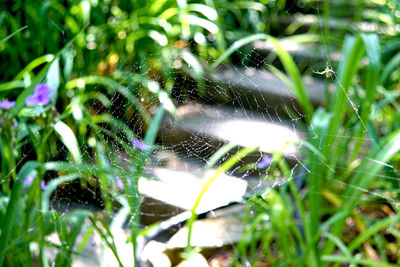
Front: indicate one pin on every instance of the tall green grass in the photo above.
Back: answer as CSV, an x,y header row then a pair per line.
x,y
39,132
343,173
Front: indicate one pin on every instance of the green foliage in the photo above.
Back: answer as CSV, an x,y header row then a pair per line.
x,y
342,176
112,65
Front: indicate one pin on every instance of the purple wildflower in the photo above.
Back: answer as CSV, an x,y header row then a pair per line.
x,y
140,145
5,104
41,96
29,179
15,124
120,184
43,185
265,161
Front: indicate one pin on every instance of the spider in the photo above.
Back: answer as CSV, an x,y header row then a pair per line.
x,y
328,72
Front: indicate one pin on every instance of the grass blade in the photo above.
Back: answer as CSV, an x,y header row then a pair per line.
x,y
218,155
389,67
52,186
238,44
12,34
344,259
371,230
350,259
223,168
133,190
7,224
362,179
287,61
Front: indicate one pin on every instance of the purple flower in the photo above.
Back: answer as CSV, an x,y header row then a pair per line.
x,y
29,179
15,124
43,185
265,161
120,184
41,95
140,145
5,104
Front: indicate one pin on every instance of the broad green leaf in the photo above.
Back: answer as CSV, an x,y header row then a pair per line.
x,y
68,138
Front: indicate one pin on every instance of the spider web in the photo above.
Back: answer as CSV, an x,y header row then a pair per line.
x,y
230,112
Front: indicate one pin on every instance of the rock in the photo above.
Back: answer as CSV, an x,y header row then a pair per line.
x,y
154,254
194,260
210,233
95,252
306,51
260,89
203,131
311,20
180,188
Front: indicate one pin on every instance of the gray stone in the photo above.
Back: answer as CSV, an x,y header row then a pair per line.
x,y
209,233
206,129
306,51
180,188
260,88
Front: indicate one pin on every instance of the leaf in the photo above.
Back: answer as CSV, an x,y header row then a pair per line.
x,y
38,79
68,58
364,262
296,84
160,38
52,186
53,78
238,44
68,138
112,85
206,24
389,68
292,70
228,164
15,196
194,64
11,85
85,11
33,111
207,11
362,178
12,34
371,230
72,224
339,243
32,65
218,155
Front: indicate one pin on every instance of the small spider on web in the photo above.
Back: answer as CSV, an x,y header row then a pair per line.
x,y
328,71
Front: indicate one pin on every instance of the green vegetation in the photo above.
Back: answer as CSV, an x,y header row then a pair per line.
x,y
82,80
